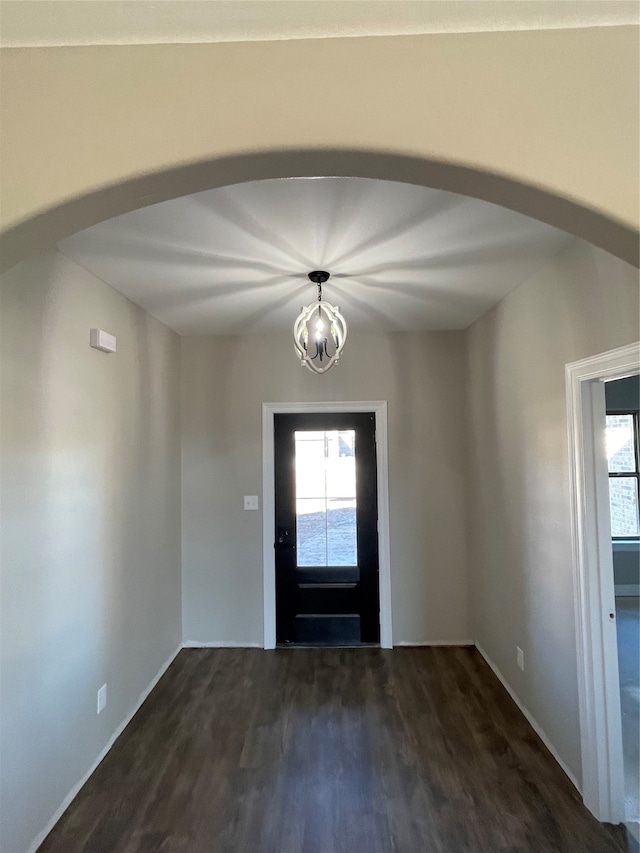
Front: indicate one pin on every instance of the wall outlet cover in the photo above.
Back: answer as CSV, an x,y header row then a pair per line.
x,y
102,698
520,657
251,502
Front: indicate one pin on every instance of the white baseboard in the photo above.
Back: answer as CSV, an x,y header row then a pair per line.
x,y
434,643
230,644
624,589
220,644
37,841
534,725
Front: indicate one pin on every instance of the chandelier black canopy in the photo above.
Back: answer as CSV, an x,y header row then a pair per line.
x,y
320,349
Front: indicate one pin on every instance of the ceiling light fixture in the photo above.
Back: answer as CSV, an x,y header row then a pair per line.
x,y
329,330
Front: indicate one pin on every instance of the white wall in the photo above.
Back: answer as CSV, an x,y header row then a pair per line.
x,y
225,380
90,473
520,567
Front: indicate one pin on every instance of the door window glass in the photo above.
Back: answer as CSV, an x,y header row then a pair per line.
x,y
325,469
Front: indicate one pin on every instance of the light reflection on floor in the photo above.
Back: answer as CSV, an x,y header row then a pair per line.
x,y
628,633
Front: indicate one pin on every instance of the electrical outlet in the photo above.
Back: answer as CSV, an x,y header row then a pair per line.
x,y
251,502
520,657
102,698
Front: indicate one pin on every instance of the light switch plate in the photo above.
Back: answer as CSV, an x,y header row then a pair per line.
x,y
251,502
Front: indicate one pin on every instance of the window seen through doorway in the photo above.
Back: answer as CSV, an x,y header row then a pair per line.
x,y
624,474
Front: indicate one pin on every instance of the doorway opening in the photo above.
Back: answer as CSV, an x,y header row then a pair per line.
x,y
326,560
603,784
622,397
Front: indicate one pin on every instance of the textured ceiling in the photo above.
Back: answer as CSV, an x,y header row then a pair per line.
x,y
26,23
235,259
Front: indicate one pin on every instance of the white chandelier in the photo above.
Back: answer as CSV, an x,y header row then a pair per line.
x,y
328,331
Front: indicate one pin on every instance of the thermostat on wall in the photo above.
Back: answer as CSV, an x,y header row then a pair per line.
x,y
102,340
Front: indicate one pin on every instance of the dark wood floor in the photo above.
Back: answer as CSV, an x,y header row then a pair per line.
x,y
328,751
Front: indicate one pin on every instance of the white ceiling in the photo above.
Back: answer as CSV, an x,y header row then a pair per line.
x,y
235,259
29,23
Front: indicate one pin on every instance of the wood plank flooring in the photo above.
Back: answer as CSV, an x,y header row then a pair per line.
x,y
329,751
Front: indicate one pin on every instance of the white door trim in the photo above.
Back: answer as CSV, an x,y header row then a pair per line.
x,y
379,407
594,597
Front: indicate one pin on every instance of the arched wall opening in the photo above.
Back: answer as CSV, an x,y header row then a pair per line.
x,y
47,228
544,122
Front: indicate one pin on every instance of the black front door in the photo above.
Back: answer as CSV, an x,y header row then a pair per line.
x,y
326,538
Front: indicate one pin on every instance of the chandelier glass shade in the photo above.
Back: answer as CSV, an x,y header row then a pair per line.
x,y
319,331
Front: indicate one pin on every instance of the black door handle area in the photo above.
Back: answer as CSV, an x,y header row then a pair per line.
x,y
283,537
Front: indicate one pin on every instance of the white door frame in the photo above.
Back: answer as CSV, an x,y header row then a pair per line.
x,y
379,407
594,594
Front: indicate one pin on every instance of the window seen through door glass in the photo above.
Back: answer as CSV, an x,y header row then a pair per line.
x,y
325,498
